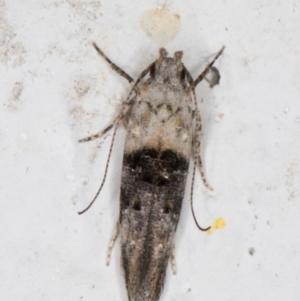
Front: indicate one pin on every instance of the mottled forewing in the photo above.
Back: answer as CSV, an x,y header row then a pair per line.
x,y
155,166
149,217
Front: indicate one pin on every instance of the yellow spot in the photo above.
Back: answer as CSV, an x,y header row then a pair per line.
x,y
161,25
208,232
217,225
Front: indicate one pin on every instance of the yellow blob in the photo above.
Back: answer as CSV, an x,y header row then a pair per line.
x,y
208,232
217,225
161,25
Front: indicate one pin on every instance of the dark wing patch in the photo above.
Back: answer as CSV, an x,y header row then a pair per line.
x,y
149,215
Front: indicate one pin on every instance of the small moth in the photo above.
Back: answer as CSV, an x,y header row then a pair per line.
x,y
161,138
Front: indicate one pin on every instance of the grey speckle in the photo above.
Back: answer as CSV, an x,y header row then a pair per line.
x,y
251,251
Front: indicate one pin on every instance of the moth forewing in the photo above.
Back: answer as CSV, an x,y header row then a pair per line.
x,y
158,115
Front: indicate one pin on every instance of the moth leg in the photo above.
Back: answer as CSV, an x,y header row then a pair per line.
x,y
123,74
112,242
124,111
191,201
173,262
198,129
98,135
126,107
105,172
197,139
134,87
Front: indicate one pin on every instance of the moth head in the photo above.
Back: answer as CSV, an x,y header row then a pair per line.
x,y
167,69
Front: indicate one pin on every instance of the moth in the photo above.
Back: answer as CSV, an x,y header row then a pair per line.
x,y
161,138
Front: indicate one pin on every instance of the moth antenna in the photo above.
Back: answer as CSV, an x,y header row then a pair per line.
x,y
113,66
105,173
192,208
206,70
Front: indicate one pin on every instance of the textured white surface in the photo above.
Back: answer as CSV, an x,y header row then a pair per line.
x,y
55,89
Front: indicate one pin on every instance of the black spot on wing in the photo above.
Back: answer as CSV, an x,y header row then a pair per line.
x,y
136,206
154,167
